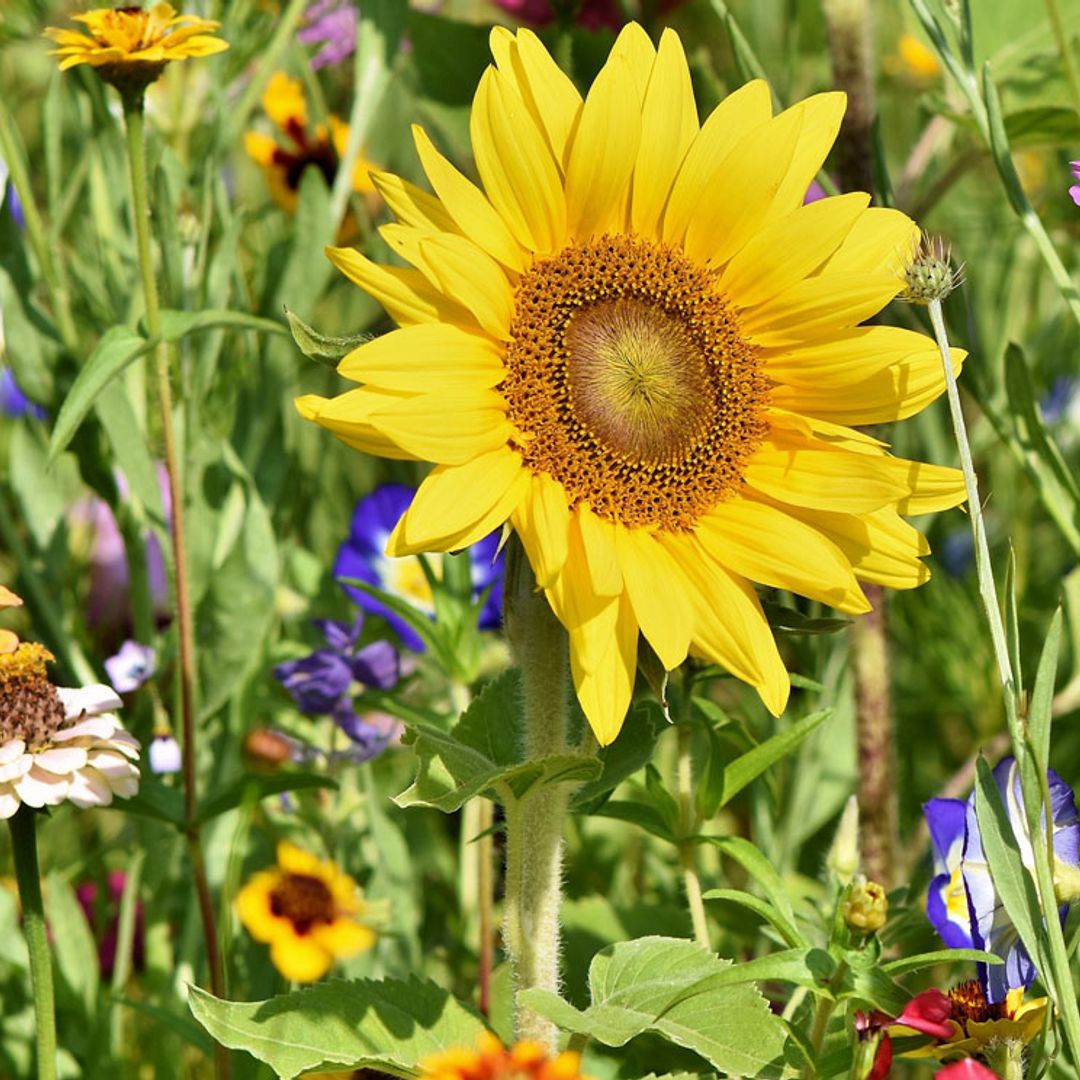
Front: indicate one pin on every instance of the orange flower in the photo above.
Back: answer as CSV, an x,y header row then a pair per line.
x,y
490,1060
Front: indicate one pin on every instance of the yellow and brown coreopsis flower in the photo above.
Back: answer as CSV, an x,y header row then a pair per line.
x,y
636,344
284,159
525,1060
130,46
307,910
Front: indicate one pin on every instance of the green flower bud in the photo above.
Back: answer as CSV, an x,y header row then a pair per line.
x,y
930,275
866,906
844,855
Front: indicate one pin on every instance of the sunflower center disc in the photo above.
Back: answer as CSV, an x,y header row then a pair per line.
x,y
636,378
30,708
304,900
631,383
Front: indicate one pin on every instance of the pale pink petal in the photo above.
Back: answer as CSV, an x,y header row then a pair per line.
x,y
61,760
125,786
11,750
92,700
9,802
126,744
110,764
39,788
93,727
88,788
15,769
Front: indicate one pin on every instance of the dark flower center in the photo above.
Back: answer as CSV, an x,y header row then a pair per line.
x,y
969,1003
30,708
304,900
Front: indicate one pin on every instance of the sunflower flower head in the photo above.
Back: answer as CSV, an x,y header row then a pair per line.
x,y
130,46
525,1060
635,344
59,744
307,910
296,145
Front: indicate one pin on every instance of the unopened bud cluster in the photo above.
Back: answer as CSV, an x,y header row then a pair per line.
x,y
931,275
866,906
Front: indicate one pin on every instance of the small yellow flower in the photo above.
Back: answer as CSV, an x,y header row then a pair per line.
x,y
913,60
284,162
867,906
978,1024
490,1060
306,910
9,640
130,46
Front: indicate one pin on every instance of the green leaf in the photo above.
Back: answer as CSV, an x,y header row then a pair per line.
x,y
999,146
786,929
907,964
1012,619
155,800
117,348
417,621
645,817
74,950
114,409
759,868
631,751
791,621
1040,711
1012,881
178,324
390,1025
1043,125
710,788
322,347
749,766
675,989
251,788
482,755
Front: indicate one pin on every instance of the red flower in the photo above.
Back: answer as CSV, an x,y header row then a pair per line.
x,y
968,1069
927,1012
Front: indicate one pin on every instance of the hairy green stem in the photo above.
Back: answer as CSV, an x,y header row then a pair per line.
x,y
24,846
534,825
688,844
140,211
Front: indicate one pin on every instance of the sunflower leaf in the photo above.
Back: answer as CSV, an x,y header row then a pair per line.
x,y
319,347
389,1025
675,989
482,755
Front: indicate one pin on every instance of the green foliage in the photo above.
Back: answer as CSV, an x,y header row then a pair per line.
x,y
390,1025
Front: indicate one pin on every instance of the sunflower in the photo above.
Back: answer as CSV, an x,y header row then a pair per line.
x,y
129,46
284,160
306,909
639,347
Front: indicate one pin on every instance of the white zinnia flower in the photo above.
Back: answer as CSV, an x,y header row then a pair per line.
x,y
58,743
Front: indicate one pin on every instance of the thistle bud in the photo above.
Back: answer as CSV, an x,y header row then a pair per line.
x,y
930,275
844,855
866,906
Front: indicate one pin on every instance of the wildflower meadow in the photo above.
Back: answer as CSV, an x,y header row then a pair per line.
x,y
539,539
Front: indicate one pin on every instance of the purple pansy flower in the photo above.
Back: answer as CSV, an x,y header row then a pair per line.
x,y
988,926
13,402
131,666
1074,191
321,683
333,24
362,557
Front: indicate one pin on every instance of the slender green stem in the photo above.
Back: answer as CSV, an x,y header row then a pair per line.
x,y
983,566
1068,61
688,845
1006,1059
534,826
140,210
24,845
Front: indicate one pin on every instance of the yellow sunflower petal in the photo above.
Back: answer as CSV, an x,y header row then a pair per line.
x,y
761,542
738,114
636,49
730,629
933,487
598,544
406,294
603,152
882,547
822,114
549,94
606,687
456,506
412,205
516,166
881,240
797,472
789,249
300,958
428,357
543,523
669,123
470,277
467,205
346,416
655,587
